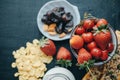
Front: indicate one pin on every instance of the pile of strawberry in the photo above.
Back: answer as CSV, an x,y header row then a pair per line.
x,y
63,56
92,40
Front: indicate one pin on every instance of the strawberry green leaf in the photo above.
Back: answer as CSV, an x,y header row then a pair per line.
x,y
87,65
81,66
64,63
91,63
103,27
43,41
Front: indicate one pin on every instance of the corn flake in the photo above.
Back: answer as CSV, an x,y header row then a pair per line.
x,y
30,61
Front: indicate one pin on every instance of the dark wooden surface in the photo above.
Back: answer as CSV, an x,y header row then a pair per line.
x,y
18,25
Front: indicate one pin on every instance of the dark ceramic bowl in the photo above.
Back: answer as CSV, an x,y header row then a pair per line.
x,y
114,40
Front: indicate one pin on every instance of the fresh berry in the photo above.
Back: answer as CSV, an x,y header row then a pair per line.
x,y
76,42
110,47
63,53
102,39
64,57
96,53
91,45
83,55
47,46
101,22
87,37
104,55
88,24
79,30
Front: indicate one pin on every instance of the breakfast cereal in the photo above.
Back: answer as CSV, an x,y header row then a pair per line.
x,y
30,61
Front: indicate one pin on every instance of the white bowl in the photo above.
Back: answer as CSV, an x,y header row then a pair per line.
x,y
57,3
58,73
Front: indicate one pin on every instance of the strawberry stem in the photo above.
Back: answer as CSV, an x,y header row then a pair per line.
x,y
90,72
43,41
102,27
87,65
64,63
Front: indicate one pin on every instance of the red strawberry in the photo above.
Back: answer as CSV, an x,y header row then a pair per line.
x,y
88,24
102,39
63,53
64,57
101,22
110,47
87,37
91,45
96,52
47,46
79,30
104,55
83,55
76,42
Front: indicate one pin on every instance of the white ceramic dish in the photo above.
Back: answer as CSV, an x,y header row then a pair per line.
x,y
58,73
57,3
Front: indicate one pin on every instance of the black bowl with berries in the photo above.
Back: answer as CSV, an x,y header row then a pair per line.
x,y
93,39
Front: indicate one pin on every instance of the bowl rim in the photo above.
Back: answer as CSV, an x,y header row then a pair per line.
x,y
112,53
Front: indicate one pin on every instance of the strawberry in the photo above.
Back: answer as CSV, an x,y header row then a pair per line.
x,y
96,52
91,45
102,38
64,57
110,47
76,42
83,55
87,37
63,53
101,22
47,46
88,24
104,55
79,30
